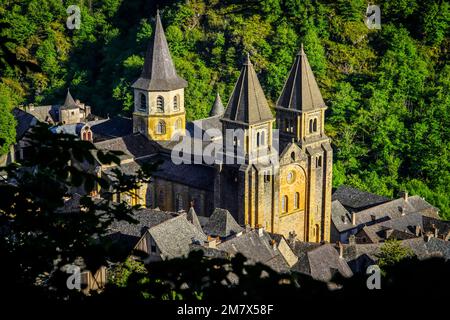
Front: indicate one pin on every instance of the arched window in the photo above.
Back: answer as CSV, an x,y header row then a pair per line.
x,y
176,102
85,135
293,156
284,204
161,127
263,138
179,202
160,104
310,125
258,137
319,161
297,200
315,125
178,124
89,136
143,102
286,125
316,232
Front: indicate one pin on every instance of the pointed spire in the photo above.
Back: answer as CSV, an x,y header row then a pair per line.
x,y
218,109
301,92
69,102
159,72
248,103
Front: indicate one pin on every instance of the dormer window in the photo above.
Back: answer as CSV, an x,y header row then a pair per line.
x,y
160,104
142,102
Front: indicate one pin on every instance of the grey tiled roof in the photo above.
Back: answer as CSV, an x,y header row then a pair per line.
x,y
128,234
159,72
257,247
193,218
320,261
24,121
301,92
222,224
399,228
194,175
202,125
394,209
73,129
342,219
248,103
209,252
174,237
111,128
133,146
218,109
430,223
355,200
146,218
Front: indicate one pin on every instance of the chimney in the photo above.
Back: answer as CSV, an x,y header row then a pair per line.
x,y
352,240
211,243
341,249
418,231
405,195
260,230
353,218
435,231
274,244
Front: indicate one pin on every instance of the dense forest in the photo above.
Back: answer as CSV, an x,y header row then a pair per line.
x,y
388,90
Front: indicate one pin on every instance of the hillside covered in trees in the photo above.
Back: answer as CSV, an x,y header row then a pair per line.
x,y
388,90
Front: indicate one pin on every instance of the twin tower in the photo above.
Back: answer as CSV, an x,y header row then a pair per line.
x,y
291,196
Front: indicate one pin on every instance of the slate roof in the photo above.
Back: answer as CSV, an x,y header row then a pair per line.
x,y
320,261
218,109
69,102
222,224
111,128
159,72
174,237
209,252
342,219
403,227
128,234
203,125
430,223
194,175
24,120
248,104
256,246
355,199
133,146
301,92
394,209
193,218
73,129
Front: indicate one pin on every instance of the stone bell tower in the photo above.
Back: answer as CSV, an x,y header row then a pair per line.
x,y
301,120
159,111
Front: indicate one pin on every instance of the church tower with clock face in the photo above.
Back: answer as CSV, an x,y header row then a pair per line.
x,y
306,156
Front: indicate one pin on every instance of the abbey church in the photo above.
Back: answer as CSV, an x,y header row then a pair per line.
x,y
279,176
291,196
